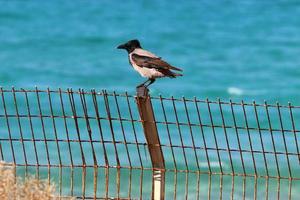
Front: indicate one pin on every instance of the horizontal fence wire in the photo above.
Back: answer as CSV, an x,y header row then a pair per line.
x,y
91,144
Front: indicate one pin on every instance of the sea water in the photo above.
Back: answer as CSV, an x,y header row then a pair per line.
x,y
227,49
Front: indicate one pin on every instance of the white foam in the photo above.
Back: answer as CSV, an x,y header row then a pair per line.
x,y
235,91
214,164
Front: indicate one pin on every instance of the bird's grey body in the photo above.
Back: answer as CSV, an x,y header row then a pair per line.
x,y
148,64
144,71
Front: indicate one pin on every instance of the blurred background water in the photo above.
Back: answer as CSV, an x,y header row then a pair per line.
x,y
240,50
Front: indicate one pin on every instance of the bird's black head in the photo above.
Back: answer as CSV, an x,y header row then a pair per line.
x,y
130,46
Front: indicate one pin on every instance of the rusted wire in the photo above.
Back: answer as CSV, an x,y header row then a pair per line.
x,y
89,143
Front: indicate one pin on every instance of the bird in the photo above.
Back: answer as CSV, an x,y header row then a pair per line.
x,y
147,64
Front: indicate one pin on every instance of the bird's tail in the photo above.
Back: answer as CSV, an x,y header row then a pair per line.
x,y
175,74
178,74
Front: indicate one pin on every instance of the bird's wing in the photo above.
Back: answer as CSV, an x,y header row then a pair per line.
x,y
152,62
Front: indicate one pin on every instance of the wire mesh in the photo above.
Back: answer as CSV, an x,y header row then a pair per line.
x,y
92,145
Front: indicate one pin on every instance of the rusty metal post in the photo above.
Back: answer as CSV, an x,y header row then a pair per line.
x,y
150,130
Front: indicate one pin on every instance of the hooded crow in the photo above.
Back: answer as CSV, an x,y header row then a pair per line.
x,y
148,64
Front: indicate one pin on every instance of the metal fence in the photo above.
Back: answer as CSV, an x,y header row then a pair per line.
x,y
100,145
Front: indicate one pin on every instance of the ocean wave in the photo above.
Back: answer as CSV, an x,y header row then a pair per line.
x,y
214,164
235,91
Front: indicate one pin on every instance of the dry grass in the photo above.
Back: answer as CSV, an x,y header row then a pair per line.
x,y
12,188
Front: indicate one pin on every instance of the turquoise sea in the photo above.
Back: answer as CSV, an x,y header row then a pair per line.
x,y
240,50
252,46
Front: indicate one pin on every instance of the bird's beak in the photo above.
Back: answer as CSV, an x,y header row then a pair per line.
x,y
122,46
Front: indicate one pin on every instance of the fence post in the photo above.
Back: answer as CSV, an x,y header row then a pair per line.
x,y
143,101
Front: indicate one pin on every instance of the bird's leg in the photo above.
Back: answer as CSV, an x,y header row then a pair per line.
x,y
152,80
140,85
